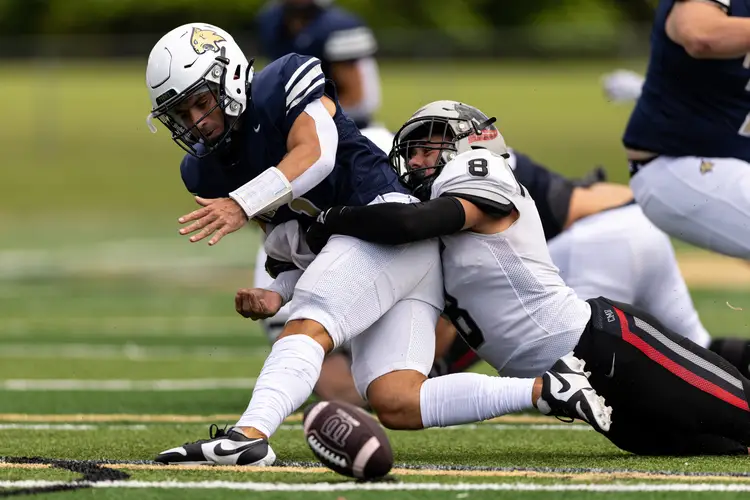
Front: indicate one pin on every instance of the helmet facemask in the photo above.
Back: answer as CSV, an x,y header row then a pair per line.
x,y
190,138
429,133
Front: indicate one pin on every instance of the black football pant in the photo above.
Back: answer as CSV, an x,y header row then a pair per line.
x,y
669,395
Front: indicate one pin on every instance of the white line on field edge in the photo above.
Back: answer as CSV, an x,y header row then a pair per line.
x,y
127,351
349,486
126,385
292,427
72,427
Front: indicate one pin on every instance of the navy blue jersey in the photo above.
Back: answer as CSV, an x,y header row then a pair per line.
x,y
550,191
278,95
333,35
692,107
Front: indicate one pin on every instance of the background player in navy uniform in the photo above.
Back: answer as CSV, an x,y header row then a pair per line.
x,y
688,138
276,147
345,47
512,307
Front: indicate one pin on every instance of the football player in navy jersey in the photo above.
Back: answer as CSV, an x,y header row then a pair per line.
x,y
276,147
346,49
688,138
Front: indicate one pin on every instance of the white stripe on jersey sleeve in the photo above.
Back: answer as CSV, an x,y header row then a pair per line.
x,y
300,70
350,44
724,4
309,90
313,79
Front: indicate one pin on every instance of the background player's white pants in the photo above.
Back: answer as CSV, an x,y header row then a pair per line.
x,y
621,255
381,136
261,279
704,201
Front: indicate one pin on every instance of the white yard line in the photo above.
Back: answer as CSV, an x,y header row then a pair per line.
x,y
71,427
126,385
295,427
127,351
130,326
329,487
168,256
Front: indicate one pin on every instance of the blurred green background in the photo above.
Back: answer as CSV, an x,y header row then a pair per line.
x,y
96,283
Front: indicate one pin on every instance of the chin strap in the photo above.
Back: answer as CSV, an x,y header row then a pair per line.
x,y
150,123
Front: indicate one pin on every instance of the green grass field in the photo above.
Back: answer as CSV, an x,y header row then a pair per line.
x,y
119,339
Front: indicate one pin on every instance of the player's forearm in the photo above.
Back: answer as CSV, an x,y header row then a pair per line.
x,y
398,223
596,198
706,32
312,145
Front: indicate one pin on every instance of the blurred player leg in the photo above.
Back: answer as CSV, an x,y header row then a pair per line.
x,y
619,254
703,201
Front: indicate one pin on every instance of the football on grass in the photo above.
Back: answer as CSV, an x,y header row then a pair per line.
x,y
347,440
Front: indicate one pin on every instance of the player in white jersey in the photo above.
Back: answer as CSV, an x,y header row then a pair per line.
x,y
509,302
404,399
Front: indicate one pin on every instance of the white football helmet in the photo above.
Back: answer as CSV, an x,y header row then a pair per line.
x,y
448,126
190,60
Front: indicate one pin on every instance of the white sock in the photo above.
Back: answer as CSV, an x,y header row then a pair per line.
x,y
463,398
284,384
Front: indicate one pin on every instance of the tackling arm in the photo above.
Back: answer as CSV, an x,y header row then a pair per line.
x,y
390,223
397,223
705,30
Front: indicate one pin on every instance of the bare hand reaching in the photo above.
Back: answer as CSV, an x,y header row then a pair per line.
x,y
257,303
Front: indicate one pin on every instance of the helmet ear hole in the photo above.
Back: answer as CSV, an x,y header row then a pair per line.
x,y
237,73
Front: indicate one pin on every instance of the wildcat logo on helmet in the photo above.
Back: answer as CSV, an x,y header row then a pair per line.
x,y
204,40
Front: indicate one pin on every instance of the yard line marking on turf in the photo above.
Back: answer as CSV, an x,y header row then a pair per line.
x,y
71,427
350,486
128,351
568,474
117,326
209,419
434,472
290,427
126,385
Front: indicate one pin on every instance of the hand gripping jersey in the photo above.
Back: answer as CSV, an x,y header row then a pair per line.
x,y
503,293
692,107
279,94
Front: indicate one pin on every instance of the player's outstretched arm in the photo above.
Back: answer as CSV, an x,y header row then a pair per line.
x,y
705,30
389,223
397,223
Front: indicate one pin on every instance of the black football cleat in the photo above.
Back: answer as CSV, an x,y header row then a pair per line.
x,y
222,448
566,392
